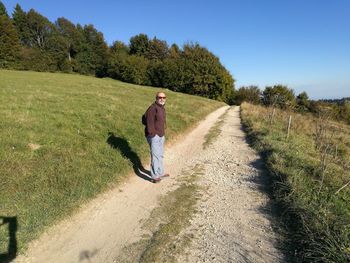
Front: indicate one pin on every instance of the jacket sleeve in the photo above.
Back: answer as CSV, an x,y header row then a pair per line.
x,y
151,116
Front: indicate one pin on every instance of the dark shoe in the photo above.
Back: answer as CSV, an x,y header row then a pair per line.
x,y
156,180
165,175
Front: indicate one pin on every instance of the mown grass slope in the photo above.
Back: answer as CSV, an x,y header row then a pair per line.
x,y
57,150
311,174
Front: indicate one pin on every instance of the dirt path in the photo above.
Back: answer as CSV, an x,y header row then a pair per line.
x,y
233,224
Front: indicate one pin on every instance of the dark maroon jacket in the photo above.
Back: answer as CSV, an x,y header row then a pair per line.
x,y
156,120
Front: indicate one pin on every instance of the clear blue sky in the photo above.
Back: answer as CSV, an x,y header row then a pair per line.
x,y
304,44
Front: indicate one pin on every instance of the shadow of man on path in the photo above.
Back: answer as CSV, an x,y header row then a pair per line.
x,y
12,246
123,146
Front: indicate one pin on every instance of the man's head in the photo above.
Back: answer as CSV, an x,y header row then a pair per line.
x,y
160,98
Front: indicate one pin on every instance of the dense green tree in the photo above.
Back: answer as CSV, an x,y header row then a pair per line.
x,y
85,60
3,11
9,42
203,73
195,70
228,83
57,49
139,45
155,73
157,49
47,42
129,68
174,51
37,60
303,102
117,59
93,56
114,67
73,38
173,74
40,29
249,94
118,47
280,96
20,20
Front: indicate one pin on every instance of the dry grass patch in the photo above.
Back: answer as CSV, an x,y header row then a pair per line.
x,y
311,177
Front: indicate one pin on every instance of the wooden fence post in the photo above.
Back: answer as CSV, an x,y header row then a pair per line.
x,y
272,115
336,151
289,123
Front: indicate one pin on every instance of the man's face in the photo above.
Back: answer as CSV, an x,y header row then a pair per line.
x,y
161,98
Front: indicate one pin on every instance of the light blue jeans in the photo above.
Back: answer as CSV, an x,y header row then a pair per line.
x,y
157,154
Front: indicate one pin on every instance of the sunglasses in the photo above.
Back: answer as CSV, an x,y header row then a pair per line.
x,y
161,97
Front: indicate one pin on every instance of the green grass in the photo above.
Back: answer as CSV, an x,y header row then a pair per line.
x,y
165,241
318,218
70,118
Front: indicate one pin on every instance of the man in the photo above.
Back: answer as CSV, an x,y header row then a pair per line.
x,y
154,132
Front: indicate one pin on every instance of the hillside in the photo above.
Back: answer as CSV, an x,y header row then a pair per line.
x,y
64,139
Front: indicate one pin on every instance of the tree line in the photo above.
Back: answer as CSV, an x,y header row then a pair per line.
x,y
281,96
29,41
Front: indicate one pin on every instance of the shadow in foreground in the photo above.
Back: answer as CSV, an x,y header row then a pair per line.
x,y
87,255
11,223
123,146
283,220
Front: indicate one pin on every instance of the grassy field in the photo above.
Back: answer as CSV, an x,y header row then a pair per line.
x,y
65,138
311,174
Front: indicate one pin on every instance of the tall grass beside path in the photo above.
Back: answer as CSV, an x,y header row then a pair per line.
x,y
310,171
54,131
